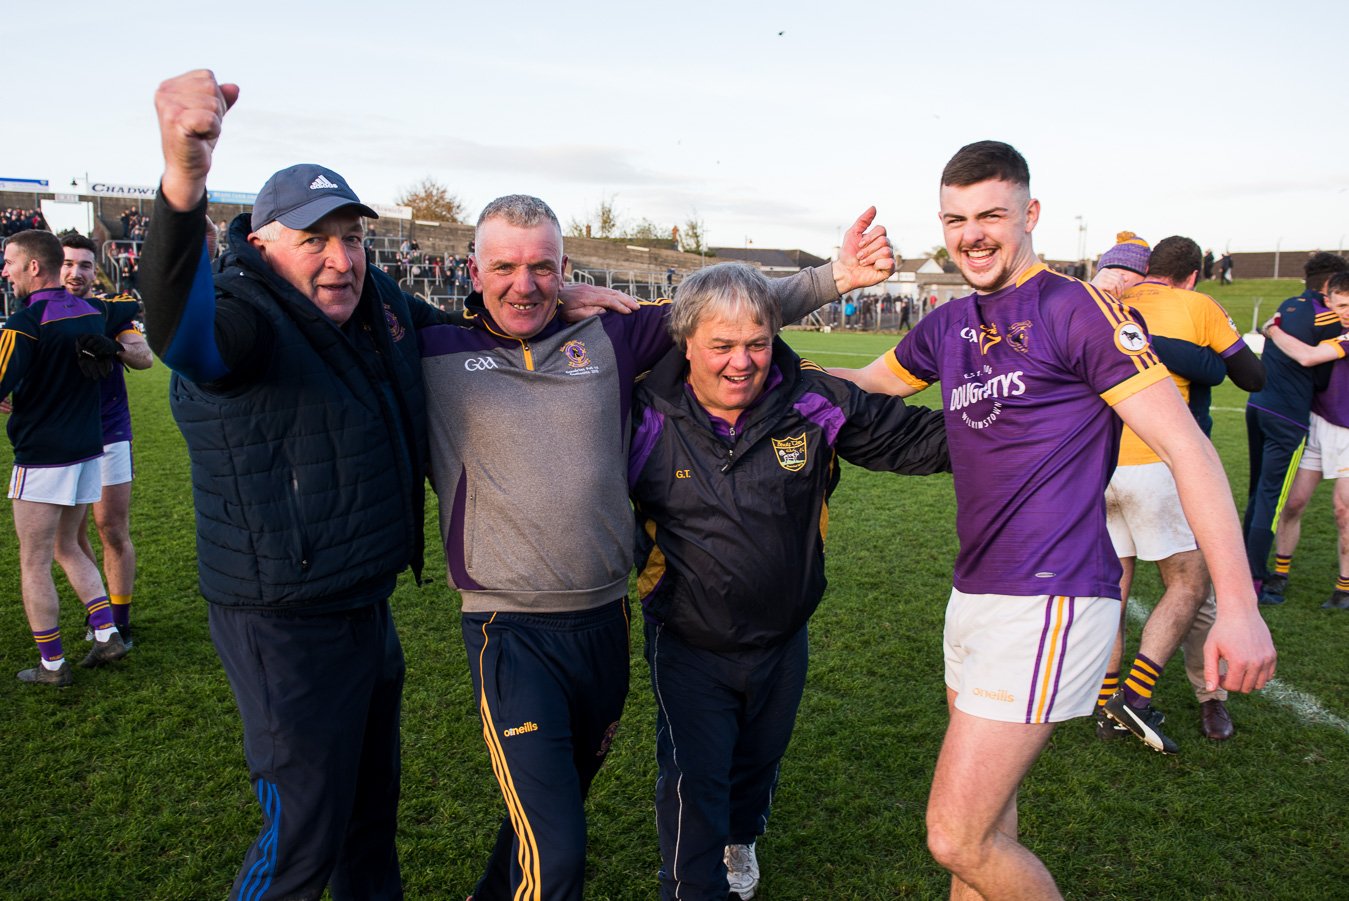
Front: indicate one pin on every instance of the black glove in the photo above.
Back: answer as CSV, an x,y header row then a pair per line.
x,y
97,354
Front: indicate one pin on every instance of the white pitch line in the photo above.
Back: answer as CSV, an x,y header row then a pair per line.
x,y
1227,409
1305,707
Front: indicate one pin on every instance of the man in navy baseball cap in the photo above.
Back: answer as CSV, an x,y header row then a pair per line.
x,y
300,195
307,227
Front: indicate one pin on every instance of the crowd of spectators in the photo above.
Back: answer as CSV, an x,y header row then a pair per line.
x,y
15,221
134,224
431,274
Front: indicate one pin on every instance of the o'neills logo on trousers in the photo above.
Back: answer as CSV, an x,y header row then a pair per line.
x,y
999,695
520,730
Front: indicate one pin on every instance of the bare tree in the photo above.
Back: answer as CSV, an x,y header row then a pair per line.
x,y
430,200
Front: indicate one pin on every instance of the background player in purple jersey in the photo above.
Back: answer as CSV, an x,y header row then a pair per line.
x,y
1327,451
112,511
1031,366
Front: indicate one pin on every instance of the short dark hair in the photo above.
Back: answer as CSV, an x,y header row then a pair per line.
x,y
42,246
986,161
1174,258
1338,284
77,241
1320,266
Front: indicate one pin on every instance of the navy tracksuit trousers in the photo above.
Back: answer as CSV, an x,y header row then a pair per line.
x,y
319,696
723,721
1275,445
550,691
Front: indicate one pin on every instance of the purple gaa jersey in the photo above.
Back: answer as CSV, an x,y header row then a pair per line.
x,y
1028,375
1332,403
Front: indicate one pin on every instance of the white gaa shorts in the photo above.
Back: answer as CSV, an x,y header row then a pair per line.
x,y
1022,659
116,466
1143,515
1327,449
65,486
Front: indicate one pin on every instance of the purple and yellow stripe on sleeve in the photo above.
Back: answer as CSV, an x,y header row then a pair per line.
x,y
1118,314
1337,342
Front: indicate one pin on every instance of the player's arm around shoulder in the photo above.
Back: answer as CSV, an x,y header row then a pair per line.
x,y
888,375
1159,416
1305,354
880,431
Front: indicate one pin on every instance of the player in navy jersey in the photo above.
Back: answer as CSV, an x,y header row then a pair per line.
x,y
1032,365
1327,451
54,427
1278,418
112,511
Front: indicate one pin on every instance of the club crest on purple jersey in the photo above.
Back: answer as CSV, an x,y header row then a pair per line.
x,y
1130,338
1018,336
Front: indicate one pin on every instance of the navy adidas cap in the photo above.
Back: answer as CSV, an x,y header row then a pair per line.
x,y
302,194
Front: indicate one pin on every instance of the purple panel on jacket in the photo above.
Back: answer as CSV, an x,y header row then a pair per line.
x,y
820,411
454,544
644,442
61,305
440,340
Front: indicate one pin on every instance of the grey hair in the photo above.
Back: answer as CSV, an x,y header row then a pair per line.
x,y
519,210
733,290
269,232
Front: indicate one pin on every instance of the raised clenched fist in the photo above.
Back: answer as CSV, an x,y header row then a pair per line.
x,y
191,108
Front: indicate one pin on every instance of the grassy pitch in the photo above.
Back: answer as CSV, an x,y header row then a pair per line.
x,y
131,783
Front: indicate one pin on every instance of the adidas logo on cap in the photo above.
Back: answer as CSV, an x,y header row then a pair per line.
x,y
322,182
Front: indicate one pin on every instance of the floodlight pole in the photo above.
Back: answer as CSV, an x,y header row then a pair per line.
x,y
1276,255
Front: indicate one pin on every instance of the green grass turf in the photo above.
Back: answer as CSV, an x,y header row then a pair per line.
x,y
131,783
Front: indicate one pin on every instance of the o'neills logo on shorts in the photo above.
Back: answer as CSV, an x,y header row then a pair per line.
x,y
1000,695
520,730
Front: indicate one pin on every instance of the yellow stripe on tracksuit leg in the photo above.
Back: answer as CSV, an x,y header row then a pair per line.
x,y
1287,483
531,885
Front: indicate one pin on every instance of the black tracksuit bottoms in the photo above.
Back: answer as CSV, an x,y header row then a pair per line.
x,y
550,689
723,721
319,695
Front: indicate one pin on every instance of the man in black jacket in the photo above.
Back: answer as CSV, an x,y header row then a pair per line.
x,y
297,387
733,460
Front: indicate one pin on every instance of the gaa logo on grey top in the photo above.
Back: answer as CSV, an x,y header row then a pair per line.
x,y
478,364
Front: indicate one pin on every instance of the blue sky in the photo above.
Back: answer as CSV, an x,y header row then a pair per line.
x,y
772,122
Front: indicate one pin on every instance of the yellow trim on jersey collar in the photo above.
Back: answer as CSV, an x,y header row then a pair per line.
x,y
1030,273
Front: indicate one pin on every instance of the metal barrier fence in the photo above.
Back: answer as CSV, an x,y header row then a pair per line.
x,y
641,285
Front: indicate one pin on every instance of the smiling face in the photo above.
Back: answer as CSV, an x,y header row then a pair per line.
x,y
518,270
988,229
1339,305
729,358
325,262
77,271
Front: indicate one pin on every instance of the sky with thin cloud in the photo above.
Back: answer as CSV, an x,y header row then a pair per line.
x,y
773,123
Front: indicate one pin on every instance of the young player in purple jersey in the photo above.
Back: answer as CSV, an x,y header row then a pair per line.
x,y
1031,367
112,511
1327,451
